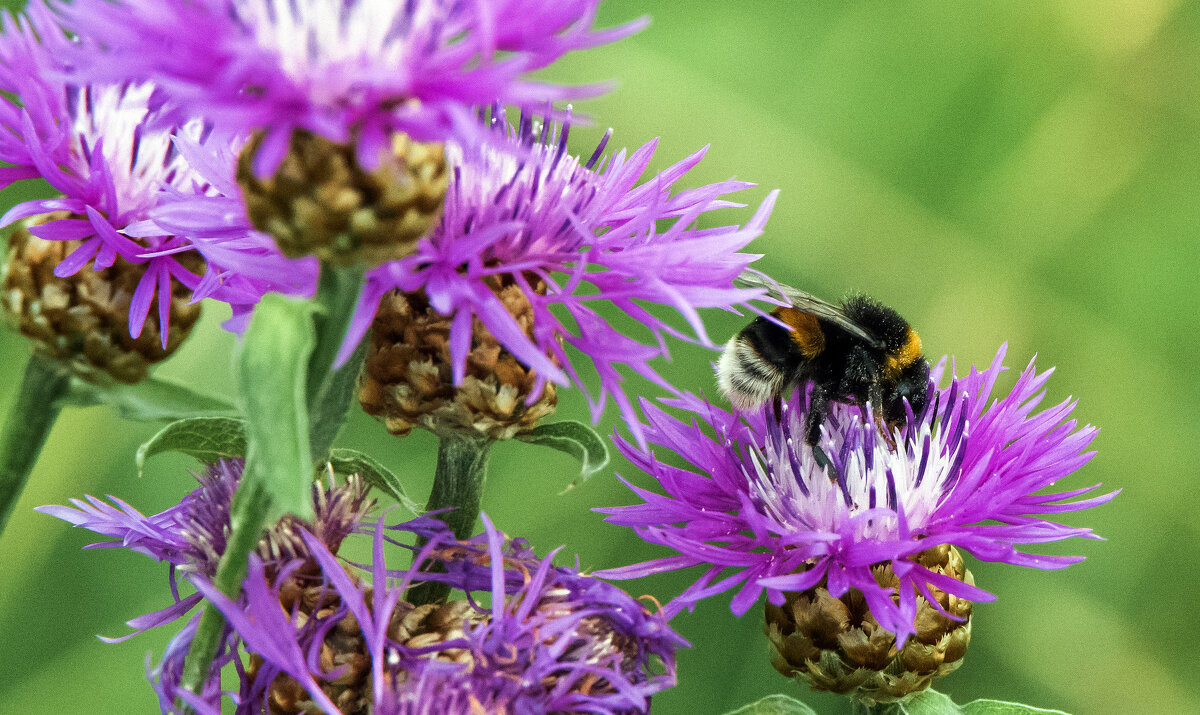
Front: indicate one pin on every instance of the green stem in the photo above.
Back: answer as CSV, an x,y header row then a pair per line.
x,y
337,294
248,519
29,422
458,482
273,418
329,392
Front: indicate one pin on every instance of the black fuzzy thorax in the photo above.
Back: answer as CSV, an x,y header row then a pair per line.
x,y
882,322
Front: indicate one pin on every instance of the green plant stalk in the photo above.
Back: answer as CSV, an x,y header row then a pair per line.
x,y
458,483
329,392
29,422
327,395
248,517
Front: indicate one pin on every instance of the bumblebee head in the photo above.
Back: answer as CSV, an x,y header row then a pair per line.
x,y
911,385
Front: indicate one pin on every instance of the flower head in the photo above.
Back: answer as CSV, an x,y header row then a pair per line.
x,y
111,153
551,640
191,535
337,68
316,633
524,218
762,511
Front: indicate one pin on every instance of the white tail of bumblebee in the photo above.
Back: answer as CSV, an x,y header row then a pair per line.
x,y
744,377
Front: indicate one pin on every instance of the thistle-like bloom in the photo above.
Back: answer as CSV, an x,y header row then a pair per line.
x,y
341,69
565,234
760,512
316,635
191,535
552,640
114,158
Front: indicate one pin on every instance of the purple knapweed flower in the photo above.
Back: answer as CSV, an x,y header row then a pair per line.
x,y
191,535
341,69
571,234
760,512
551,640
114,160
308,630
244,263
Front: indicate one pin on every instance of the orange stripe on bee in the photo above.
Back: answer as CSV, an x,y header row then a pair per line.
x,y
806,331
905,356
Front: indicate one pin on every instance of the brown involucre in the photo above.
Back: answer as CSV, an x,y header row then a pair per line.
x,y
836,645
83,319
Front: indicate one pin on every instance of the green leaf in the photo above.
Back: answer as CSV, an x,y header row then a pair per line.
x,y
928,702
205,438
999,707
576,439
775,705
931,702
329,410
151,399
350,461
330,392
271,366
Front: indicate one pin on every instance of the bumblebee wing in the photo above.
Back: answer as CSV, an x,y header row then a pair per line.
x,y
808,303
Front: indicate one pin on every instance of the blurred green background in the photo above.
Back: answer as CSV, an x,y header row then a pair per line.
x,y
997,171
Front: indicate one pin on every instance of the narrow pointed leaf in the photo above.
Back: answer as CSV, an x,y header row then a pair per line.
x,y
152,399
775,705
271,366
576,439
350,461
205,438
999,707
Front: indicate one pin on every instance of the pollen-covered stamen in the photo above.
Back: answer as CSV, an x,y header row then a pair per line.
x,y
540,179
322,202
83,319
340,508
853,465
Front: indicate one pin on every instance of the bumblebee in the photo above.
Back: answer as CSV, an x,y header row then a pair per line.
x,y
857,353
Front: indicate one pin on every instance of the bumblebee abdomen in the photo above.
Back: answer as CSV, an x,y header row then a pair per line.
x,y
757,363
806,332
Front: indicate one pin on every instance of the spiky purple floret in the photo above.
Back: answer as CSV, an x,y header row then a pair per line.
x,y
243,263
167,676
191,535
337,67
524,210
113,156
530,650
761,513
542,622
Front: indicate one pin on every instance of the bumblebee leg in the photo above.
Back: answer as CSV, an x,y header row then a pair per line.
x,y
885,431
881,423
818,410
825,463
